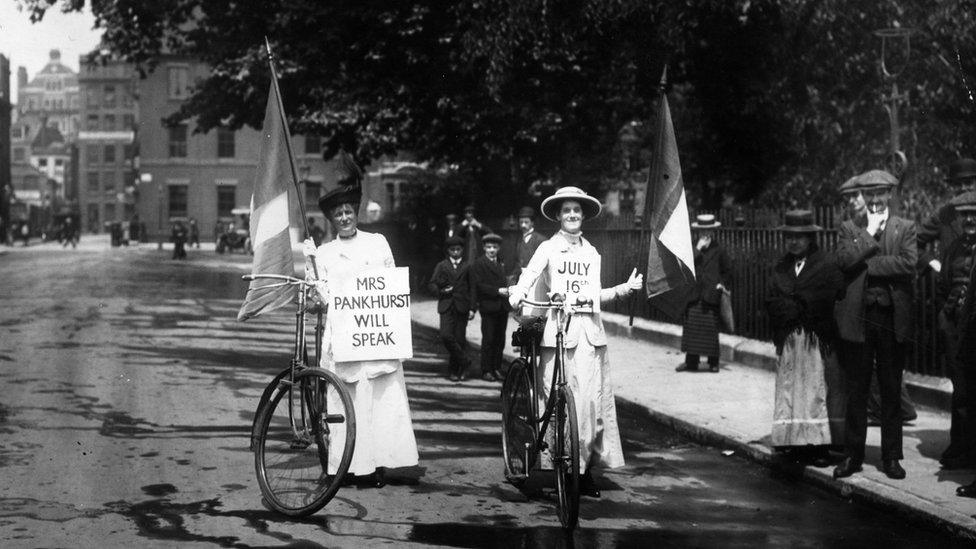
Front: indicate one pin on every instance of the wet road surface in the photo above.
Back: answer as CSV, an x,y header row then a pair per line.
x,y
126,395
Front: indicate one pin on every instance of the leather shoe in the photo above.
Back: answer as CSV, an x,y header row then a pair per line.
x,y
967,491
846,468
490,376
893,469
587,487
686,368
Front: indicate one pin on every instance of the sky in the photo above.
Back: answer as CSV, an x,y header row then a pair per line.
x,y
29,45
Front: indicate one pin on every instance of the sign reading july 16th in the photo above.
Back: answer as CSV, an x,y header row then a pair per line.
x,y
371,316
577,276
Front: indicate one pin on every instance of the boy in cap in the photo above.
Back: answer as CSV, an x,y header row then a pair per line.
x,y
489,293
874,320
449,285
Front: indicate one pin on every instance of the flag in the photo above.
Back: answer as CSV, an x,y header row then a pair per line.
x,y
270,237
670,259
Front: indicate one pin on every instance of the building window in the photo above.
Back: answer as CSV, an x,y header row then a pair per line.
x,y
109,180
93,222
92,154
225,143
127,151
177,200
30,181
92,181
92,124
18,154
58,162
109,154
108,100
110,212
15,132
127,95
313,144
109,122
128,122
177,141
226,199
42,162
178,85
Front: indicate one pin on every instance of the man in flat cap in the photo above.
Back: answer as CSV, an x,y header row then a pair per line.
x,y
874,320
449,284
946,227
489,296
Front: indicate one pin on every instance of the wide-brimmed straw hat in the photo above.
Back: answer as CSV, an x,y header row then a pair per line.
x,y
965,202
591,206
799,221
705,221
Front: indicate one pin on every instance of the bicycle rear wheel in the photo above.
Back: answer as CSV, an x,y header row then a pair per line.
x,y
305,440
566,458
518,423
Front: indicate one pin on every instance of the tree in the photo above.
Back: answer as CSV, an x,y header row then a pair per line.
x,y
774,100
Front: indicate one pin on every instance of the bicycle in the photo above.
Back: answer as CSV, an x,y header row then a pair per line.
x,y
305,416
525,429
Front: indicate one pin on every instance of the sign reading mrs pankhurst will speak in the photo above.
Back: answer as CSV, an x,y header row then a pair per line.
x,y
371,316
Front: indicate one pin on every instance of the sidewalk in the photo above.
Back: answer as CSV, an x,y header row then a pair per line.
x,y
733,410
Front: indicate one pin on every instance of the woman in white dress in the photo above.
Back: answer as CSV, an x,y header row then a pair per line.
x,y
384,432
568,264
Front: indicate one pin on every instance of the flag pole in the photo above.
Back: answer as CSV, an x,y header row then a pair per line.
x,y
647,197
284,123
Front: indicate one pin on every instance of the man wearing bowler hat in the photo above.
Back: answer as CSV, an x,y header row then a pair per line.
x,y
946,227
874,320
529,240
489,293
449,285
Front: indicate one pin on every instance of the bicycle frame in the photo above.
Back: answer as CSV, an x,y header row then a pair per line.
x,y
563,316
299,360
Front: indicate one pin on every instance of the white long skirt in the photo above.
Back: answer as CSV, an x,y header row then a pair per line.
x,y
384,432
588,376
809,402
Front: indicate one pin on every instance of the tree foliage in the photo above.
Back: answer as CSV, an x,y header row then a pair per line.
x,y
773,100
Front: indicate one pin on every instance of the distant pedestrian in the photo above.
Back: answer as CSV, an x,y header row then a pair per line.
x,y
874,321
25,233
194,233
69,233
808,409
945,226
449,284
489,293
713,275
178,236
471,230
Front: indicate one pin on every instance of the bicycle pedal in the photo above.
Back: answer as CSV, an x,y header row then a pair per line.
x,y
299,444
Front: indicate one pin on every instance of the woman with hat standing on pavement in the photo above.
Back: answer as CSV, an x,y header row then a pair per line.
x,y
713,274
566,262
803,289
384,433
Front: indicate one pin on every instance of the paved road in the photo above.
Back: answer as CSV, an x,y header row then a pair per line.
x,y
127,391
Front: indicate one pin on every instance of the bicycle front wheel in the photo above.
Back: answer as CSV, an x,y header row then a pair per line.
x,y
304,444
518,423
566,458
269,391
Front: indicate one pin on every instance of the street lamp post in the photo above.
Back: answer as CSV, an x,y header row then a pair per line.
x,y
896,49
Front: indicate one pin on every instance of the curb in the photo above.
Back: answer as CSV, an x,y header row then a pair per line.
x,y
930,391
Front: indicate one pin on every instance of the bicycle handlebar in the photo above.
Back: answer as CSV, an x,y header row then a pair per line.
x,y
558,301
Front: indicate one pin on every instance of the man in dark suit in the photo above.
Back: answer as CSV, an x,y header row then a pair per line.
x,y
960,274
449,285
489,296
946,227
528,241
472,230
874,320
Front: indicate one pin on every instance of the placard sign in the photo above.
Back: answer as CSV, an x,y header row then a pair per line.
x,y
577,276
371,316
